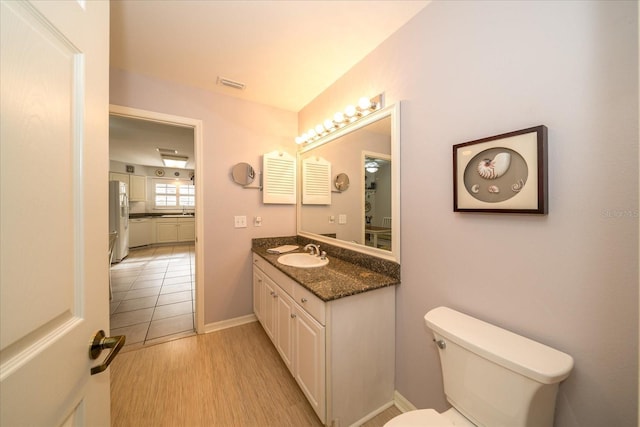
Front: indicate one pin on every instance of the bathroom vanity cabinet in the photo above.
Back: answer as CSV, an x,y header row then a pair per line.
x,y
341,352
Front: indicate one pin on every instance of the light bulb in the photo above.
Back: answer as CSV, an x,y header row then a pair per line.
x,y
328,124
350,111
319,129
338,117
299,140
311,133
364,103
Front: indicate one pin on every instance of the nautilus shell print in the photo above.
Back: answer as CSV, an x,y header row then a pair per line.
x,y
496,167
495,175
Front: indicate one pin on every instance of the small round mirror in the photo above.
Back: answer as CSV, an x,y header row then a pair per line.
x,y
342,182
243,173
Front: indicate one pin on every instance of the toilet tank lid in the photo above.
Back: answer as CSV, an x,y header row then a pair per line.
x,y
517,353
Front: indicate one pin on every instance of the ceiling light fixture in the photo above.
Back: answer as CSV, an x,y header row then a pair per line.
x,y
341,119
174,161
371,167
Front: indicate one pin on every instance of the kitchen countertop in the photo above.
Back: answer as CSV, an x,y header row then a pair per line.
x,y
158,215
337,279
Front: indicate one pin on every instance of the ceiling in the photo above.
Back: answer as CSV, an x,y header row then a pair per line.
x,y
285,52
136,141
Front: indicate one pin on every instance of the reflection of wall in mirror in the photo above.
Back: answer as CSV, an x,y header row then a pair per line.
x,y
345,155
381,197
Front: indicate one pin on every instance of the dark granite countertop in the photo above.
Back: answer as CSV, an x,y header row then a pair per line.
x,y
337,279
157,215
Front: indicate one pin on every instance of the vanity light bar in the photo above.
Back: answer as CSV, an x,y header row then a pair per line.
x,y
340,119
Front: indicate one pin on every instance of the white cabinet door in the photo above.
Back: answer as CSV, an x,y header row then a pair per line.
x,y
137,188
186,229
310,368
285,319
258,293
166,232
54,280
270,296
122,177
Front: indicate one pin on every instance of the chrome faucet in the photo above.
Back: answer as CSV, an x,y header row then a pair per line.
x,y
313,249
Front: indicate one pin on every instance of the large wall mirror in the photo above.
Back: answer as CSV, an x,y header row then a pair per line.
x,y
365,216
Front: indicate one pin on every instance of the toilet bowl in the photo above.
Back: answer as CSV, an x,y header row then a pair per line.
x,y
492,376
430,418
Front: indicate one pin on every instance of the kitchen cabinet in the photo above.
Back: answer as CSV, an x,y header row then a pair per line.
x,y
186,229
136,185
171,230
137,188
141,232
340,352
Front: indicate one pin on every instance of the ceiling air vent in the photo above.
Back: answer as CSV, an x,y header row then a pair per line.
x,y
230,83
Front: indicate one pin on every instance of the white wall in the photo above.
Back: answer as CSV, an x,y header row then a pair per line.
x,y
467,70
234,131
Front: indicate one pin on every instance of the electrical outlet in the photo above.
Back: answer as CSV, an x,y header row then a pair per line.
x,y
257,221
332,219
240,221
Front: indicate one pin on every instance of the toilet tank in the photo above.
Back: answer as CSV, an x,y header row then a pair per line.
x,y
495,377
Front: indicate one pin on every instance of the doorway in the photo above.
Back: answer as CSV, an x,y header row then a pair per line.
x,y
174,259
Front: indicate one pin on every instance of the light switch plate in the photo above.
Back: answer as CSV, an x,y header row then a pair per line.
x,y
240,221
342,219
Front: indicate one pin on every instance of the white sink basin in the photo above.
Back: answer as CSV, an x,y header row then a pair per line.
x,y
302,260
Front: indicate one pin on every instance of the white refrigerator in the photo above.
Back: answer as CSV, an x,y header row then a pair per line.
x,y
119,218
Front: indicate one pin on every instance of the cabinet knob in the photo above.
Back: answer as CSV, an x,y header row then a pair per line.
x,y
272,293
303,300
293,316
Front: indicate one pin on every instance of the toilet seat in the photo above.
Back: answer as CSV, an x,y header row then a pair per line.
x,y
420,418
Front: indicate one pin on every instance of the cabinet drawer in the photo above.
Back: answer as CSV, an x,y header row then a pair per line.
x,y
167,220
311,303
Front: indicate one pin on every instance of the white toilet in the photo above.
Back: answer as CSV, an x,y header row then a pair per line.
x,y
492,377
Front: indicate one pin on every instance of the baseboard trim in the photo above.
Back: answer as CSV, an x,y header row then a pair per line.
x,y
402,402
372,414
230,323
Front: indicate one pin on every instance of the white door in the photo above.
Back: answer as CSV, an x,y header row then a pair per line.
x,y
53,211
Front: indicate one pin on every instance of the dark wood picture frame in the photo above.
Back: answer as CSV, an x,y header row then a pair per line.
x,y
505,173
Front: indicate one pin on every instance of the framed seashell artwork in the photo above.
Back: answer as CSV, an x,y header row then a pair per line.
x,y
505,173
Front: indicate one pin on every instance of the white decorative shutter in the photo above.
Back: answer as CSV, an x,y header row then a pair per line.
x,y
316,181
279,179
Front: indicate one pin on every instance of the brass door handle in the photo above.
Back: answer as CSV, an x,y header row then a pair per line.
x,y
99,343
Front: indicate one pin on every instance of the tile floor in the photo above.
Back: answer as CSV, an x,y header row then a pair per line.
x,y
154,294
